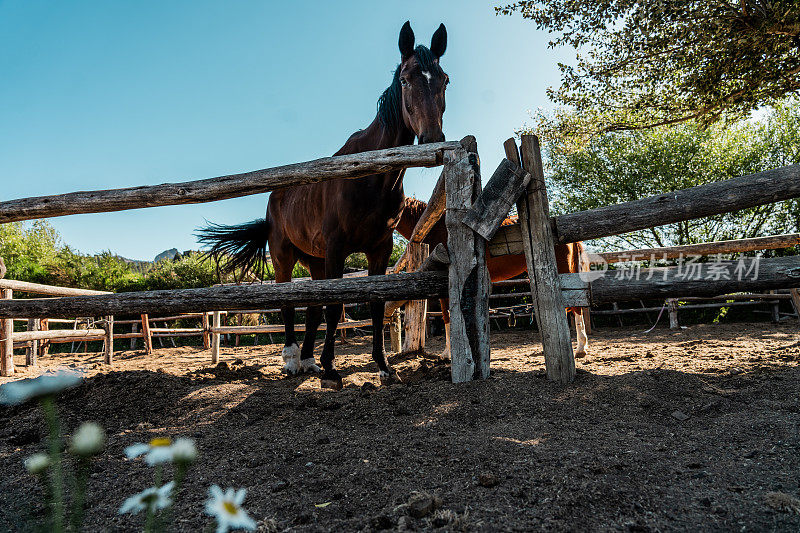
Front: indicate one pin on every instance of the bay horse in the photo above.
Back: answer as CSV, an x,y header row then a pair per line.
x,y
568,259
320,224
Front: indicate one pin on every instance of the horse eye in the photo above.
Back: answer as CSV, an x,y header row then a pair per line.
x,y
403,82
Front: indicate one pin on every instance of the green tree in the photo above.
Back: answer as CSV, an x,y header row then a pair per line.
x,y
622,166
645,63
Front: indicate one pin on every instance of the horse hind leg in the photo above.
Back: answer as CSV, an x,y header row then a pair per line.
x,y
283,264
580,334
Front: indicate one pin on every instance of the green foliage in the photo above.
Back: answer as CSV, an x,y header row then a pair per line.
x,y
622,166
642,63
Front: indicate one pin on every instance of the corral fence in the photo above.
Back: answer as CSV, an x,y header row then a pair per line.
x,y
473,216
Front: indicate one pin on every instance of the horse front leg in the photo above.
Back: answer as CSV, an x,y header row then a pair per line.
x,y
378,261
313,319
444,303
334,268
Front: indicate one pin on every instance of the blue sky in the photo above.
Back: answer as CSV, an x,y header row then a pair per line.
x,y
99,95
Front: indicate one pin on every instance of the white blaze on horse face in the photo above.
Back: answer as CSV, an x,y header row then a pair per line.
x,y
427,76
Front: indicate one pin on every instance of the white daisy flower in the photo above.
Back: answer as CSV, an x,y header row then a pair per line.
x,y
163,450
47,384
184,451
226,507
37,463
152,499
88,440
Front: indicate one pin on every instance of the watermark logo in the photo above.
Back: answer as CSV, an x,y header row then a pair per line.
x,y
686,268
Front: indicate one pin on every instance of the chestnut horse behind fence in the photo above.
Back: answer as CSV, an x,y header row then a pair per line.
x,y
320,224
568,259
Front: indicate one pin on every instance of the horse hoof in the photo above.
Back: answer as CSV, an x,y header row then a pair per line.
x,y
309,366
291,367
333,384
291,357
444,356
389,378
580,355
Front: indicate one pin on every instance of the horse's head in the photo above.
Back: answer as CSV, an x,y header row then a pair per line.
x,y
419,85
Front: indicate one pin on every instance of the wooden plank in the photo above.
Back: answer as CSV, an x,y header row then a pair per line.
x,y
191,192
6,338
279,328
497,199
396,332
433,212
206,332
538,241
795,294
32,352
771,242
416,285
414,330
706,279
109,344
146,336
215,339
49,290
53,334
468,276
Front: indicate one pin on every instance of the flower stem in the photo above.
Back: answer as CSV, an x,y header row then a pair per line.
x,y
79,497
56,473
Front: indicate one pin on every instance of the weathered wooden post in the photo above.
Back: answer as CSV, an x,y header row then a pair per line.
x,y
672,305
134,330
396,332
539,244
795,301
416,310
206,331
6,339
109,348
32,353
147,337
216,323
468,277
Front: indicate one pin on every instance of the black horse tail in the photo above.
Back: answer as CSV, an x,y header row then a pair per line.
x,y
242,247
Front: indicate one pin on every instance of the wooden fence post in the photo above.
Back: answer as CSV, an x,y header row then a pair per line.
x,y
468,277
796,301
216,322
32,353
416,310
206,332
539,244
7,342
109,327
396,332
134,329
147,338
44,346
672,305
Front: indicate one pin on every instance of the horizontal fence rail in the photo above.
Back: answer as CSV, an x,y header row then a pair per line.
x,y
696,202
702,280
771,242
224,187
411,286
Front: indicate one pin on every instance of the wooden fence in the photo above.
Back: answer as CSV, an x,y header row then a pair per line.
x,y
473,217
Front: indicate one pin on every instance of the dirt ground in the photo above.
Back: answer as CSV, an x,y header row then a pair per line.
x,y
665,431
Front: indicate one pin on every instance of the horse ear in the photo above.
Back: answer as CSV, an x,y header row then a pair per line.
x,y
439,41
406,42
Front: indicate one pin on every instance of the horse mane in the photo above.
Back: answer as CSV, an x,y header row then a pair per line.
x,y
390,102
